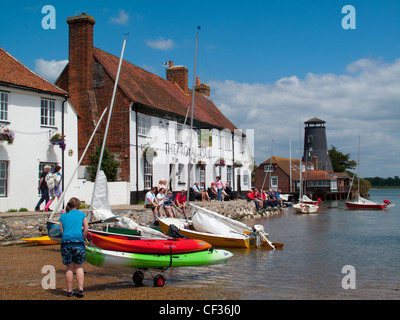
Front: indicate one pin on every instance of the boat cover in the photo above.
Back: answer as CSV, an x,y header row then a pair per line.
x,y
205,220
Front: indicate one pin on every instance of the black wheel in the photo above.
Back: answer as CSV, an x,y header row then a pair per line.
x,y
159,280
137,278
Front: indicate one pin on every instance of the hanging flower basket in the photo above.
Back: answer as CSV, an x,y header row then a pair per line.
x,y
149,153
220,162
201,164
58,139
237,164
7,135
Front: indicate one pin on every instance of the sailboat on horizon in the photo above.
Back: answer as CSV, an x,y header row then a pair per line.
x,y
360,202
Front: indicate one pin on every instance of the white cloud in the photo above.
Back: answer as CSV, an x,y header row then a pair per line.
x,y
160,44
49,69
122,18
364,101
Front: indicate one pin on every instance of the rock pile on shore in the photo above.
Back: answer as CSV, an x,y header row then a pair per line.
x,y
239,209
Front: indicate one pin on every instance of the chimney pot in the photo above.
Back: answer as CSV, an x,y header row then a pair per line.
x,y
197,81
171,64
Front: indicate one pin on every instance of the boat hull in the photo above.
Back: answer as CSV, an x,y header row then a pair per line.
x,y
117,259
215,240
365,206
149,246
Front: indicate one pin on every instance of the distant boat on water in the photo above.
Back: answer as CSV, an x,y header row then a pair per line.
x,y
361,203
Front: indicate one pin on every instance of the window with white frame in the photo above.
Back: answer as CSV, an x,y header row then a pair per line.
x,y
3,105
246,179
229,175
47,112
268,168
203,177
178,133
144,125
181,173
228,141
148,175
3,178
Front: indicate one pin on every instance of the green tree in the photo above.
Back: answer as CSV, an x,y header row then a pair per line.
x,y
109,165
340,162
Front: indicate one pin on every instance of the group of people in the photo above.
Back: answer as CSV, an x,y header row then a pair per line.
x,y
49,186
263,199
163,202
217,191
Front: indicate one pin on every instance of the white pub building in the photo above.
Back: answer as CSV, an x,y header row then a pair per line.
x,y
32,111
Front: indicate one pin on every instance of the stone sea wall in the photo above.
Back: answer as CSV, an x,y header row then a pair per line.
x,y
25,225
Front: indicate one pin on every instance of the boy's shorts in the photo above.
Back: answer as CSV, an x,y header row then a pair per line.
x,y
72,252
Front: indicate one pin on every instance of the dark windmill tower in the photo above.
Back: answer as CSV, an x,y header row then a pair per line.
x,y
315,147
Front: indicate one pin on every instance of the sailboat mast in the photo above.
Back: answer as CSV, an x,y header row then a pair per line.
x,y
107,127
359,139
191,122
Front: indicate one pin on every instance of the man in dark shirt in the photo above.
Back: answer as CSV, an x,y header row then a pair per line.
x,y
44,190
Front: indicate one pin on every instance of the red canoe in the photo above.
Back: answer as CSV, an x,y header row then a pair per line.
x,y
150,246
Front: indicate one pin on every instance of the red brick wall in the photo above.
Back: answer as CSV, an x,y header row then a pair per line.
x,y
283,179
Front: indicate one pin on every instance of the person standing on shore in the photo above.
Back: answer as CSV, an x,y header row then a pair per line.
x,y
53,181
220,186
44,190
74,228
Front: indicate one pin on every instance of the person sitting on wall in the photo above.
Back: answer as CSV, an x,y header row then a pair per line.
x,y
266,200
251,197
200,193
213,194
278,198
180,201
273,198
231,195
167,205
150,201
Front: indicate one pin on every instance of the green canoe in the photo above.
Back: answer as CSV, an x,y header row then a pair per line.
x,y
106,258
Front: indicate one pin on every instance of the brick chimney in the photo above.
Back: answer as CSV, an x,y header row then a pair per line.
x,y
80,65
179,75
202,88
80,74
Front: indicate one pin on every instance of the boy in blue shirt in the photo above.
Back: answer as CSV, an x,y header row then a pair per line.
x,y
74,228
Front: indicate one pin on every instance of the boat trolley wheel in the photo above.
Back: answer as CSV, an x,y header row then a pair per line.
x,y
137,277
159,280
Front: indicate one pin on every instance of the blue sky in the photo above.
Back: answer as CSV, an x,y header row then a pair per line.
x,y
270,64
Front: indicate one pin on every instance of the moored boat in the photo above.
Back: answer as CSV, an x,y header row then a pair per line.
x,y
218,241
219,231
362,203
147,245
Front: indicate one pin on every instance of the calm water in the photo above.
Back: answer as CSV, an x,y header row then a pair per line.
x,y
316,247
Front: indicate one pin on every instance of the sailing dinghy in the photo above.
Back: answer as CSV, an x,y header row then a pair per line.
x,y
220,231
361,203
149,246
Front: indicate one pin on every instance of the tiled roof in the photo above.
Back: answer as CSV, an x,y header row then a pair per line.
x,y
151,90
13,72
284,165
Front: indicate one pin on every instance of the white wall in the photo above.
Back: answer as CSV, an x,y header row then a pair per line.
x,y
163,139
31,146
